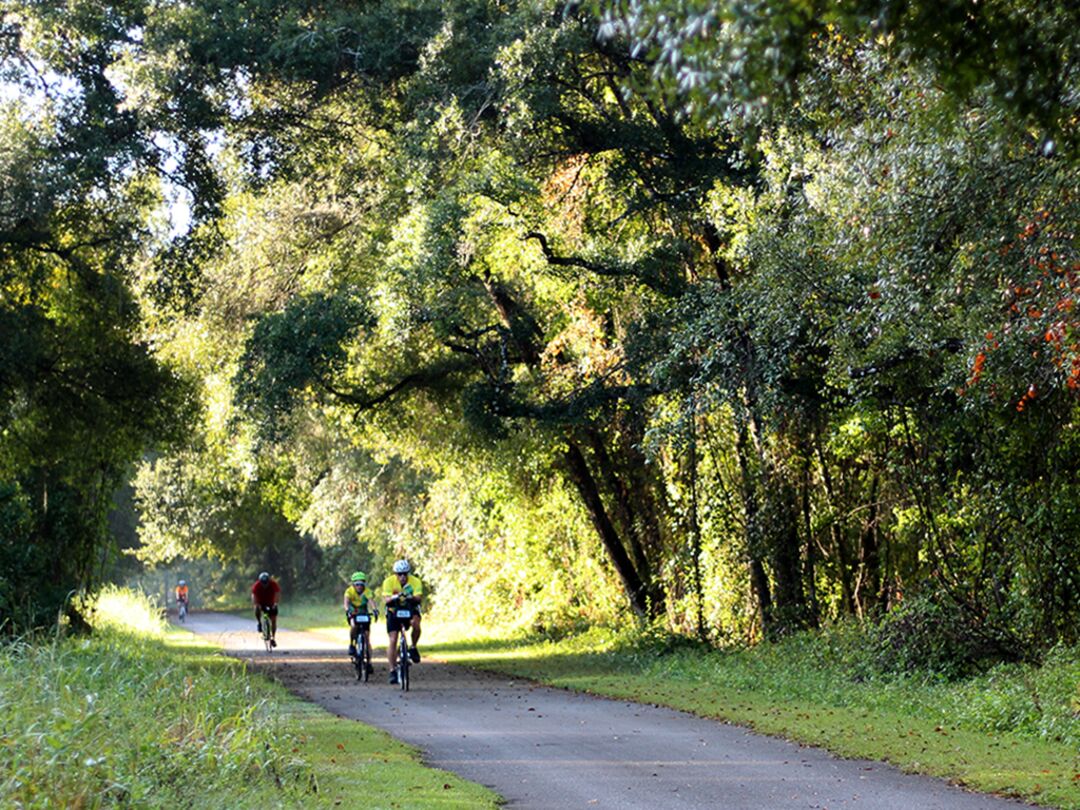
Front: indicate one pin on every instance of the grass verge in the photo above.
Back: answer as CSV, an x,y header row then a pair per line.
x,y
1014,730
136,716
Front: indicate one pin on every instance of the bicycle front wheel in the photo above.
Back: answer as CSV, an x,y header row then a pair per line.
x,y
358,661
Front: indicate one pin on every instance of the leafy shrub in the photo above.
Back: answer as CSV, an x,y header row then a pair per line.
x,y
933,634
654,639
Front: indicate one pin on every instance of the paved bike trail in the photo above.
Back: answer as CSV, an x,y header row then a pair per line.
x,y
548,748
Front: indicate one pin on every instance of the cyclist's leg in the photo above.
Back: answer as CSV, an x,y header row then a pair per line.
x,y
415,629
414,654
354,631
391,643
391,649
258,618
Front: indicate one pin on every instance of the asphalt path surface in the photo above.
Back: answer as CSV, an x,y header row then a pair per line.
x,y
548,748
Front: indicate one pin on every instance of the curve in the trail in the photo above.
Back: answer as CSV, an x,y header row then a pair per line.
x,y
548,748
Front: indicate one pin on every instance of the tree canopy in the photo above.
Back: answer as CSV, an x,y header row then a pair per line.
x,y
738,317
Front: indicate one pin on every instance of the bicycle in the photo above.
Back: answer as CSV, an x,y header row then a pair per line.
x,y
181,611
264,628
362,658
404,614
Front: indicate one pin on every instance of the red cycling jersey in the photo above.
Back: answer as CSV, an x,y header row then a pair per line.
x,y
266,595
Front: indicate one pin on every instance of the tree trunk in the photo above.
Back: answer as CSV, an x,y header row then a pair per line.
x,y
646,595
870,591
582,478
809,574
623,501
789,608
759,580
836,533
694,526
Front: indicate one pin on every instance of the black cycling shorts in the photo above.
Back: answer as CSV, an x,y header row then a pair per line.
x,y
393,623
270,610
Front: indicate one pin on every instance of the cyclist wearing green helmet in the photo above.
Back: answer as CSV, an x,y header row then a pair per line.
x,y
359,610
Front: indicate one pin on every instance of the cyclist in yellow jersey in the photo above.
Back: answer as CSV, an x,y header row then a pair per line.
x,y
358,603
401,587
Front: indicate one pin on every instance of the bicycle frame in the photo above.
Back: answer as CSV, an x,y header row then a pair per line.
x,y
404,616
363,650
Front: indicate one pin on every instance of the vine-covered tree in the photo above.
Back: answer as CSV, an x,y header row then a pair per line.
x,y
751,316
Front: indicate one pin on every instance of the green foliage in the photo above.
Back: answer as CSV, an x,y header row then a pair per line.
x,y
298,350
81,393
931,634
751,315
76,729
743,60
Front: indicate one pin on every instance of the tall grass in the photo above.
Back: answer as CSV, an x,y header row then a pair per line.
x,y
117,720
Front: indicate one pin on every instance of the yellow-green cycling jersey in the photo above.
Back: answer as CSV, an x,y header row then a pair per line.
x,y
358,602
391,587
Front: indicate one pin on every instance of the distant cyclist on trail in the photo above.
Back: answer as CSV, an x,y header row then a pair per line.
x,y
402,587
359,602
264,596
182,594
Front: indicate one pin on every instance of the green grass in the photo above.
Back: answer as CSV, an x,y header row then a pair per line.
x,y
137,716
325,618
359,765
1014,730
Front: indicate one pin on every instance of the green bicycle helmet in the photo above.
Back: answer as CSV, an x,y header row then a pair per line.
x,y
358,576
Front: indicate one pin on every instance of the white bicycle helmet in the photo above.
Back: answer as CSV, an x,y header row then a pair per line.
x,y
402,567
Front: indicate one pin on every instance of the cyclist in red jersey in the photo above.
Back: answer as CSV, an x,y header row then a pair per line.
x,y
264,596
